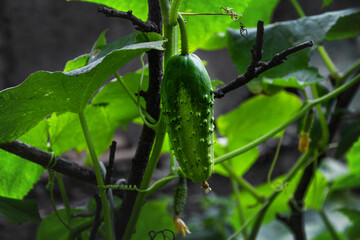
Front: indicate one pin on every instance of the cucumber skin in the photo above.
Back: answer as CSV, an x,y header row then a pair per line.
x,y
188,103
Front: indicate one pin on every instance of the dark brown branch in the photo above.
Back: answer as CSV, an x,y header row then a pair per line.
x,y
144,147
137,22
97,219
109,168
257,67
42,158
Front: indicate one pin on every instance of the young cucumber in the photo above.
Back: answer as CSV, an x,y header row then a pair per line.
x,y
188,102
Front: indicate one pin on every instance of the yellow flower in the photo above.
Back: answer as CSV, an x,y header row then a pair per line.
x,y
304,141
180,225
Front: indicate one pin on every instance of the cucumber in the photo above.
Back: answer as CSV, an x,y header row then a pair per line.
x,y
188,101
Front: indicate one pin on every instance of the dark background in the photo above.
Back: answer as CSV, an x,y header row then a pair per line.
x,y
42,35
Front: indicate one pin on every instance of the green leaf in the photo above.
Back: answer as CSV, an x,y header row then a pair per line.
x,y
326,3
19,211
44,93
52,228
283,35
83,60
349,135
296,79
251,120
347,26
76,63
345,182
352,179
17,175
317,192
207,32
353,232
153,217
353,157
110,108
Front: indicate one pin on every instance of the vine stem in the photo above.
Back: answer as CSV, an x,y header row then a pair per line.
x,y
298,8
64,197
99,178
322,119
306,107
133,99
238,205
260,214
210,14
160,135
328,225
243,183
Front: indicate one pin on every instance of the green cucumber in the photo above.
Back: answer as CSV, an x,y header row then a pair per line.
x,y
188,101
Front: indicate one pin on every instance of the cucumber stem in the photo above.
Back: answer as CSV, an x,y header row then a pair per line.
x,y
184,37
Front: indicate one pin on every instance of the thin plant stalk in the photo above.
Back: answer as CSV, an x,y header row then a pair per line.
x,y
64,196
99,178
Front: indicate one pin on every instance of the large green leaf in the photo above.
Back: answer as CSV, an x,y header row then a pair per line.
x,y
19,211
206,32
153,217
110,108
283,35
17,175
252,119
346,27
44,93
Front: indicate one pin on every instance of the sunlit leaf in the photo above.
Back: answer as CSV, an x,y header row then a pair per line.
x,y
17,175
251,120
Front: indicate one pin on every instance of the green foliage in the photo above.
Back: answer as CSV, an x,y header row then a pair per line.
x,y
46,106
252,119
279,36
19,175
153,217
44,93
19,211
52,228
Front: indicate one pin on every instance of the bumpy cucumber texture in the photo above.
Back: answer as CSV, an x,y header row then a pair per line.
x,y
188,102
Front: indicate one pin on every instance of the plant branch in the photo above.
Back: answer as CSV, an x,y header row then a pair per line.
x,y
147,136
42,158
257,67
137,22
